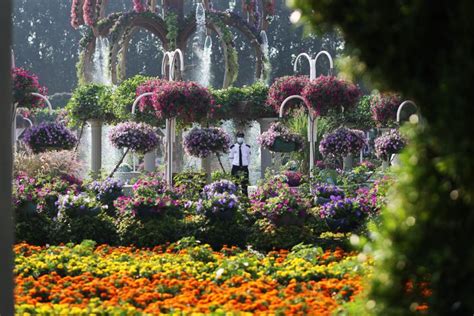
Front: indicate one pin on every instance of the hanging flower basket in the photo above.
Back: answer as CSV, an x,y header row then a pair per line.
x,y
284,87
187,101
23,84
282,146
279,138
384,108
328,93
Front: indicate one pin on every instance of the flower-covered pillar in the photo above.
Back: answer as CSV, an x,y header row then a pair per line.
x,y
265,154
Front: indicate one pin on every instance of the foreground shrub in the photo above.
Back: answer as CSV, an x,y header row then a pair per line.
x,y
80,217
151,216
279,203
34,201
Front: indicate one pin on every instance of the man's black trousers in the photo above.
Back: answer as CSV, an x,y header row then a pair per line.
x,y
243,174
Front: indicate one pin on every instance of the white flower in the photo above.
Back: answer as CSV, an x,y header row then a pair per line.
x,y
219,273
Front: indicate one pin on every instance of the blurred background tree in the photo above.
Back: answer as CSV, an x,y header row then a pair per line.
x,y
424,50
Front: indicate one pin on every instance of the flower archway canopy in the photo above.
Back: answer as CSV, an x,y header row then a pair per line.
x,y
187,101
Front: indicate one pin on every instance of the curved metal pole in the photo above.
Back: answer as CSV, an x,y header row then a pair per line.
x,y
167,56
141,96
312,66
311,121
399,111
291,97
45,99
169,59
331,64
177,52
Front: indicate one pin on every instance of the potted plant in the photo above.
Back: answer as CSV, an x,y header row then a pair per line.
x,y
324,192
384,107
280,204
284,87
188,101
23,85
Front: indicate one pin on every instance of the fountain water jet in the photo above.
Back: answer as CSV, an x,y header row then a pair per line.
x,y
101,72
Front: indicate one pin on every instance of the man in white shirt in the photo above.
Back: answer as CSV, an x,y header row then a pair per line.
x,y
240,159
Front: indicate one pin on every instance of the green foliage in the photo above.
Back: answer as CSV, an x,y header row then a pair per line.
x,y
90,102
99,228
359,118
190,184
428,228
31,226
217,233
242,103
149,232
171,21
122,100
266,236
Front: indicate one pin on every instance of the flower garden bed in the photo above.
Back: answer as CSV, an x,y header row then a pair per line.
x,y
183,278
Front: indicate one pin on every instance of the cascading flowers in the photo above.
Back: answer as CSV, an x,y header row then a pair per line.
x,y
328,93
138,6
384,108
219,200
279,203
49,136
220,186
201,142
388,144
342,214
284,87
23,84
138,137
342,142
187,101
106,191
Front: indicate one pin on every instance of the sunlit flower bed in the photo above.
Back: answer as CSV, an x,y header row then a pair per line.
x,y
184,277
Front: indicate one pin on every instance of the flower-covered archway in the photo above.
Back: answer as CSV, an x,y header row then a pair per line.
x,y
172,27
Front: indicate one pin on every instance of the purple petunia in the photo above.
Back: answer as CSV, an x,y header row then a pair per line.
x,y
201,142
49,136
139,137
388,144
342,142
